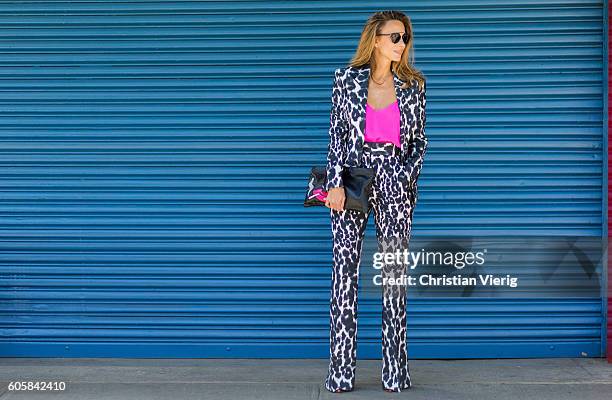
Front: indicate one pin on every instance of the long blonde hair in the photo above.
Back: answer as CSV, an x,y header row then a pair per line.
x,y
364,54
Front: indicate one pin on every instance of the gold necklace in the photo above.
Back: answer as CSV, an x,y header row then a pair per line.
x,y
379,84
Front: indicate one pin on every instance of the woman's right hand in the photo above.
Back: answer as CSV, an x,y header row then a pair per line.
x,y
335,198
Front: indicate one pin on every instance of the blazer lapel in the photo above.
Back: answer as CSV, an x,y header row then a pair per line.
x,y
399,93
361,82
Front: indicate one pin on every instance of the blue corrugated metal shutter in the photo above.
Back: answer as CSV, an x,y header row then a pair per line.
x,y
154,157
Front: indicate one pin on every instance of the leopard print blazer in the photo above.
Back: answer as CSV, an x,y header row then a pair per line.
x,y
347,124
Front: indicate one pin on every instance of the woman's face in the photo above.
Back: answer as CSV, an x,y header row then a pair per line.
x,y
385,47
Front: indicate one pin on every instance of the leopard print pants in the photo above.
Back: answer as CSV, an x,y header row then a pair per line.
x,y
393,208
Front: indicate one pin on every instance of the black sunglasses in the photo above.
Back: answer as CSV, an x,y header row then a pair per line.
x,y
395,37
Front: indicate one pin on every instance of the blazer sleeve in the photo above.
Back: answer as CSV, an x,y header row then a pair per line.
x,y
418,147
338,130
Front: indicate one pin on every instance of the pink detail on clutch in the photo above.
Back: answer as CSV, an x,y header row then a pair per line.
x,y
320,194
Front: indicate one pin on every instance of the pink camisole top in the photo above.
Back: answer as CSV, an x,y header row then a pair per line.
x,y
383,124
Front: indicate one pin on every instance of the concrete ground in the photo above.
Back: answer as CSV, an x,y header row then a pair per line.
x,y
221,379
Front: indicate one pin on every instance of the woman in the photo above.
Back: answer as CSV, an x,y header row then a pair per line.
x,y
377,121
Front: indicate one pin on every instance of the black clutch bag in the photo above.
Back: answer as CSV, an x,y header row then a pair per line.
x,y
357,182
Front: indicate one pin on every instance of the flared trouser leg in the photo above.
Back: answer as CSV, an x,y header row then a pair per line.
x,y
391,231
348,227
